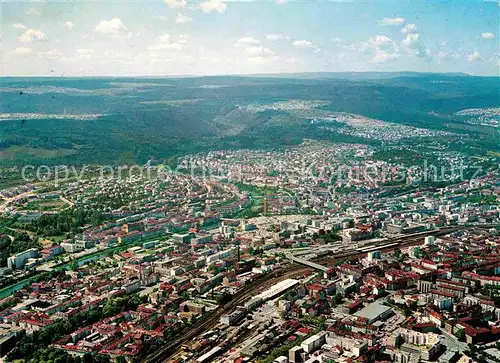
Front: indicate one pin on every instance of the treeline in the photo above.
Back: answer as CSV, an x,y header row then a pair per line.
x,y
69,221
8,247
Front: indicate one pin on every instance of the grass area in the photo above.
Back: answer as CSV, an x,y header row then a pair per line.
x,y
22,152
56,239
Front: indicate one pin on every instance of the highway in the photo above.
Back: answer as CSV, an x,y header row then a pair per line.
x,y
289,271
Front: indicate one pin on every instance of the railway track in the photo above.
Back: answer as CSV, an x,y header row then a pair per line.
x,y
289,271
211,320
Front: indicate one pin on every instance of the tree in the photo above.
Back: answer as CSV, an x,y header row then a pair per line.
x,y
224,298
338,298
460,334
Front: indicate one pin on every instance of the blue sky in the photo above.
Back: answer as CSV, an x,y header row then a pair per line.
x,y
179,37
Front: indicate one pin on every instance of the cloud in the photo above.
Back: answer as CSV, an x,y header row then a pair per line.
x,y
182,19
32,11
258,51
303,44
160,17
474,57
68,25
165,46
22,51
209,6
413,46
19,26
84,53
409,28
487,35
50,55
392,21
165,43
246,41
113,27
165,38
276,37
382,56
32,35
381,47
175,3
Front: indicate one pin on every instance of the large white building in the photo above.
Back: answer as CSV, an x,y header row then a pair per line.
x,y
19,260
312,343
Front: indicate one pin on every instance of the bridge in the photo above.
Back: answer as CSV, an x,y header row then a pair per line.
x,y
307,263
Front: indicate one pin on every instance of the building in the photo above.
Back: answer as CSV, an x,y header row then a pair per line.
x,y
295,354
181,238
312,343
374,312
429,240
233,317
19,260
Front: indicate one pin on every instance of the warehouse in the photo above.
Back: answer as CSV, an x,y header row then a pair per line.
x,y
374,312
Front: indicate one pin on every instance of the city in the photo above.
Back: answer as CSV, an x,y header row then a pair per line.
x,y
255,256
273,181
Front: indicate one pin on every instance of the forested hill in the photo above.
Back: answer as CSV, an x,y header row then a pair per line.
x,y
118,120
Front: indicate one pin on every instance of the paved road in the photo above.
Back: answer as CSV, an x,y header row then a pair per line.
x,y
7,201
452,343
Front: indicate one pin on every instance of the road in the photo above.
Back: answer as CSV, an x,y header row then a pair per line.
x,y
452,343
7,201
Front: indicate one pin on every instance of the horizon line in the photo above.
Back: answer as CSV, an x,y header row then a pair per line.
x,y
271,75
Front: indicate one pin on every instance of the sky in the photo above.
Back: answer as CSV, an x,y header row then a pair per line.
x,y
209,37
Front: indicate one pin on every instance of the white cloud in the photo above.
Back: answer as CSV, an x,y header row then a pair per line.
x,y
474,57
19,26
412,45
303,44
392,21
409,28
165,46
160,17
165,43
68,25
281,1
258,51
32,35
381,47
182,19
183,38
487,35
276,37
113,27
22,51
165,38
84,53
32,11
246,41
411,40
209,6
382,56
175,3
50,55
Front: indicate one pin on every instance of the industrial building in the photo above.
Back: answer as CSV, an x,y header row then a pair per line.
x,y
374,312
